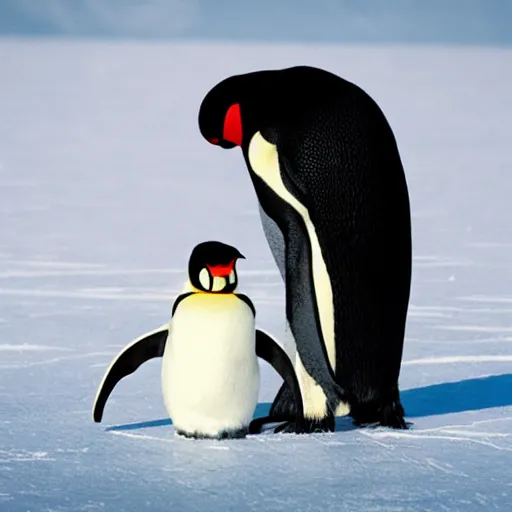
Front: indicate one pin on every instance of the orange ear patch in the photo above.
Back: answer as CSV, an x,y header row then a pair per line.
x,y
233,125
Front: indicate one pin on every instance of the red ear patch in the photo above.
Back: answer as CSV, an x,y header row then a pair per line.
x,y
221,270
233,125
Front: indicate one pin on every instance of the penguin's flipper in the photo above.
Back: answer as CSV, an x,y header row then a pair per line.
x,y
142,349
268,350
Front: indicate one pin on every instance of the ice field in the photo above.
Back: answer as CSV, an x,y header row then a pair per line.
x,y
105,187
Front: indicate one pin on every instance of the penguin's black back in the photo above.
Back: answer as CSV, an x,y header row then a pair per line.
x,y
342,162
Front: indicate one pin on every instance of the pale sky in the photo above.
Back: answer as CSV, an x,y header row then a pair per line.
x,y
432,21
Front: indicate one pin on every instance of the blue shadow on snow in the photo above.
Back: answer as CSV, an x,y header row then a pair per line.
x,y
464,395
261,410
437,399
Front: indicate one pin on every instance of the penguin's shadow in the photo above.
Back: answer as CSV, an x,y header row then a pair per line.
x,y
262,409
433,400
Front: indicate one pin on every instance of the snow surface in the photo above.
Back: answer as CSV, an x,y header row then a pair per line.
x,y
106,186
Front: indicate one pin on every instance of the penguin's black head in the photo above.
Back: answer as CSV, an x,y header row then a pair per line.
x,y
238,106
212,267
220,114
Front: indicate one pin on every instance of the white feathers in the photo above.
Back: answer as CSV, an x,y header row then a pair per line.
x,y
265,163
204,279
219,283
215,283
210,372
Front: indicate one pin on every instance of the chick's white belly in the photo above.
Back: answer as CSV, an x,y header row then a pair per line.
x,y
210,372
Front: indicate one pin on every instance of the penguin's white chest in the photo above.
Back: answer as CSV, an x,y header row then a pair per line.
x,y
210,372
264,161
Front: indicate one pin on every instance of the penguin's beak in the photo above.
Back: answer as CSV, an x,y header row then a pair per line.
x,y
224,144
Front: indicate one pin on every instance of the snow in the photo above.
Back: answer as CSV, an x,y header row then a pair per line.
x,y
106,186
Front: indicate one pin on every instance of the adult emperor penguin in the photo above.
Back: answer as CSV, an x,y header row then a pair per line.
x,y
335,209
210,372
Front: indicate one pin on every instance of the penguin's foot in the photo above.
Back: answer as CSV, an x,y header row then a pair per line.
x,y
291,425
224,434
256,426
392,415
387,414
308,426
